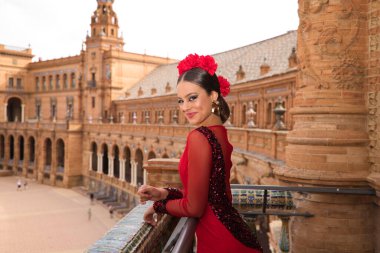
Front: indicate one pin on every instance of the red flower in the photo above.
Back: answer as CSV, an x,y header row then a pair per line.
x,y
191,61
224,86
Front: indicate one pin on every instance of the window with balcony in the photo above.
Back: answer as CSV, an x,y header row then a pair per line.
x,y
10,82
19,83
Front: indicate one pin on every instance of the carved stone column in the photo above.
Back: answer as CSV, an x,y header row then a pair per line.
x,y
328,145
373,101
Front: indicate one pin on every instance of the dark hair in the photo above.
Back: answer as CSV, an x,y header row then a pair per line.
x,y
209,83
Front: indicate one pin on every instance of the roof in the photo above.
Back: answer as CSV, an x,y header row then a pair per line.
x,y
273,52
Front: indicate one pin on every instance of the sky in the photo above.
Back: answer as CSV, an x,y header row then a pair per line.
x,y
166,28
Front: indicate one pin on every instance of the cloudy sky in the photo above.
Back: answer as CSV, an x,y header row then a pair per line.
x,y
168,28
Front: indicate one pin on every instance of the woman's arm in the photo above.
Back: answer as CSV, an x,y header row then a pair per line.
x,y
199,167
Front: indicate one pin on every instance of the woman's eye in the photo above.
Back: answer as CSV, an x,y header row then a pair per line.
x,y
191,98
180,101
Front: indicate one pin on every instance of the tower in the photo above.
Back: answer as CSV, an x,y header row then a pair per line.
x,y
97,68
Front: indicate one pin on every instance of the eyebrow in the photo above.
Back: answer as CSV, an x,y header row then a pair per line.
x,y
192,93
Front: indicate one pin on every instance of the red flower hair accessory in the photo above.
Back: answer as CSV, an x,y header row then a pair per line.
x,y
224,86
205,62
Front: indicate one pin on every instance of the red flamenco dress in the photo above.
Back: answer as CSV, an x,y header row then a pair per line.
x,y
205,172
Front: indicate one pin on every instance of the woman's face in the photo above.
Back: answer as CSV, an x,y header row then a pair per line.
x,y
195,103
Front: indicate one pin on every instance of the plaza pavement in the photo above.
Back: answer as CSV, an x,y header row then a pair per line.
x,y
48,219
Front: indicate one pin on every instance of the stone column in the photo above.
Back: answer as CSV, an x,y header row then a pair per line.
x,y
5,112
100,163
122,169
90,160
110,166
328,145
133,173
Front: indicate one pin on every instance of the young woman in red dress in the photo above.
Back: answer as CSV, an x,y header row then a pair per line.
x,y
204,165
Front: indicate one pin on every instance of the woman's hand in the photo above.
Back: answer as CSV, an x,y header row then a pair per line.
x,y
147,192
149,216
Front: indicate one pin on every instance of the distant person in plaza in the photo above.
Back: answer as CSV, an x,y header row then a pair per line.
x,y
92,198
205,164
25,184
19,183
110,211
89,213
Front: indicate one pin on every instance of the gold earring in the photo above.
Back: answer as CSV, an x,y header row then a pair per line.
x,y
215,107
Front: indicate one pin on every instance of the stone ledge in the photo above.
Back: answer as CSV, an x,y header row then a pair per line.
x,y
123,233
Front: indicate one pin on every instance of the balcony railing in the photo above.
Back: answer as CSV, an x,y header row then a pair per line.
x,y
253,200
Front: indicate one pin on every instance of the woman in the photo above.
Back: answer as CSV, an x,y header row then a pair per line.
x,y
205,164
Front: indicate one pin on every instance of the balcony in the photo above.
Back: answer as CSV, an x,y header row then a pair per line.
x,y
273,204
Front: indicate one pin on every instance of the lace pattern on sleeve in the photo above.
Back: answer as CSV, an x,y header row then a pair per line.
x,y
173,193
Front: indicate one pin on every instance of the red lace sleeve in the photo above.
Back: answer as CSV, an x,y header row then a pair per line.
x,y
199,168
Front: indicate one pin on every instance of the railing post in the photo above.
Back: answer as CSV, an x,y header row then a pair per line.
x,y
284,236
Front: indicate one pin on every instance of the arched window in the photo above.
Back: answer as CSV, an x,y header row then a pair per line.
x,y
14,109
48,154
60,156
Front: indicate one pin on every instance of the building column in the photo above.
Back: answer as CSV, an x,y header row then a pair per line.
x,y
22,112
90,160
100,163
110,166
5,112
122,169
328,145
133,173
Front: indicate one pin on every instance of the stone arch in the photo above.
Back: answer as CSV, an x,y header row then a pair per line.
x,y
104,151
116,161
151,155
127,158
48,154
94,156
14,110
139,158
60,149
